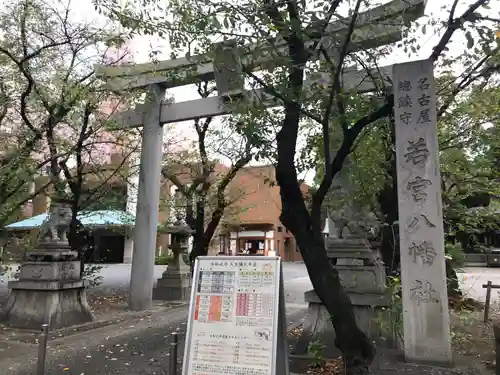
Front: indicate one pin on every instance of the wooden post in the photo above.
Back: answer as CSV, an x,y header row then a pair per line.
x,y
496,331
487,302
42,350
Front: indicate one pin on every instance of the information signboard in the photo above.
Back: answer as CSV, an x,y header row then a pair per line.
x,y
236,317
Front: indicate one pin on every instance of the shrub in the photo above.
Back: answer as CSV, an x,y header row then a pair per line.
x,y
92,274
162,260
315,349
455,254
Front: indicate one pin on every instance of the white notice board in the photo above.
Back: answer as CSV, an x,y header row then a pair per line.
x,y
234,316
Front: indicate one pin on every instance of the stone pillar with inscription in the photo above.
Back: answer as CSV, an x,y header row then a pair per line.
x,y
423,275
50,289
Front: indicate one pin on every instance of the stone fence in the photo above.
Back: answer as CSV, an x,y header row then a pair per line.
x,y
476,260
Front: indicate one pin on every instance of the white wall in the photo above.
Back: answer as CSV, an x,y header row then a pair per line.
x,y
248,233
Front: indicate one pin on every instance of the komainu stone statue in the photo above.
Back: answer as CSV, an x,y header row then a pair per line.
x,y
55,228
50,288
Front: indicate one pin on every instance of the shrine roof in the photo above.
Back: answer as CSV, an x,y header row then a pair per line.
x,y
101,218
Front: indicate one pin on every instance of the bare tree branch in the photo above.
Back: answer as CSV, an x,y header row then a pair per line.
x,y
453,26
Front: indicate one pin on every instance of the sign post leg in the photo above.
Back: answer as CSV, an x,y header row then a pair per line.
x,y
487,302
282,365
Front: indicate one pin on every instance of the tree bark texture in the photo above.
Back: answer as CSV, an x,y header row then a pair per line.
x,y
388,201
389,244
357,350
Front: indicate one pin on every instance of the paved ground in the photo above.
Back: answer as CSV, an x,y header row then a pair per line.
x,y
116,277
141,345
137,347
472,279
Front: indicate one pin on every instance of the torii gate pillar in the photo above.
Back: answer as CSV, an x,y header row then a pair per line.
x,y
146,218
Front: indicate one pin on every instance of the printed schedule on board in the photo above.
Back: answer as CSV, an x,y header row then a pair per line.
x,y
232,327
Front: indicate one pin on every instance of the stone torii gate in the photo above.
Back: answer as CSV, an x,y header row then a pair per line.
x,y
373,29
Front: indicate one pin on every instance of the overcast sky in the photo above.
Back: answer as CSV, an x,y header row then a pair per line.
x,y
143,45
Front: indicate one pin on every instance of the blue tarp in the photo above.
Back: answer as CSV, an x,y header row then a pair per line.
x,y
90,218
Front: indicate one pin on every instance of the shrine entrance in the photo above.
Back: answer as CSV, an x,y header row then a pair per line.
x,y
251,246
226,65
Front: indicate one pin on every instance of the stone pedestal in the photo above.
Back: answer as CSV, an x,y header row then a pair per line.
x,y
48,291
318,326
363,277
175,283
128,250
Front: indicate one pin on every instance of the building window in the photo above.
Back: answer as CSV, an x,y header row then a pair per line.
x,y
278,247
280,229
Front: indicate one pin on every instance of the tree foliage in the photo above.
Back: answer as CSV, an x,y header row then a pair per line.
x,y
203,180
56,113
282,43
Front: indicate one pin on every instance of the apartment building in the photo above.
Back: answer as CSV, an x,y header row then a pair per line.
x,y
251,224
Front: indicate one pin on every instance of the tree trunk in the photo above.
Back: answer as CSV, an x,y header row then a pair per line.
x,y
389,244
358,352
190,218
388,201
78,238
453,287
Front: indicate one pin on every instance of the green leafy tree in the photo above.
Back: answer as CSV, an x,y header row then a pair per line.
x,y
285,40
468,142
205,189
54,106
470,168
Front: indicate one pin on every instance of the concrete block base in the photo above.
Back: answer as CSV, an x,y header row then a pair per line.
x,y
318,326
174,286
50,271
172,294
33,303
368,279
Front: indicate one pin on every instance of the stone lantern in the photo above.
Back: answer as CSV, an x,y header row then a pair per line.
x,y
175,282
